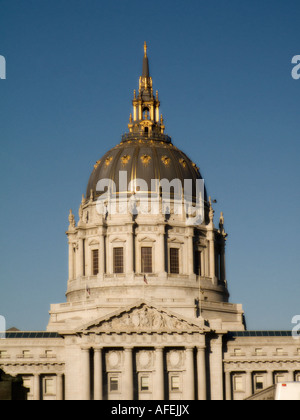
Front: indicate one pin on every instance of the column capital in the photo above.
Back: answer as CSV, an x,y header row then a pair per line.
x,y
189,348
85,348
128,348
201,348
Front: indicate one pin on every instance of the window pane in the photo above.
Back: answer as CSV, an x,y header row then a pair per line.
x,y
146,257
114,384
175,383
145,383
95,255
49,386
118,260
238,383
198,269
174,260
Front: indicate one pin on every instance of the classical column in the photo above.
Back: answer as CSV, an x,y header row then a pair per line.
x,y
71,262
201,373
102,254
190,251
79,259
157,114
228,386
60,387
86,375
269,378
211,238
98,383
159,378
36,387
128,374
249,391
212,261
216,369
129,248
160,251
190,378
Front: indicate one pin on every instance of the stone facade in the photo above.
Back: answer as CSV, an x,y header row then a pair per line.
x,y
147,314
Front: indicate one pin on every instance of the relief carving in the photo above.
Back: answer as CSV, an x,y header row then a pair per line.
x,y
144,318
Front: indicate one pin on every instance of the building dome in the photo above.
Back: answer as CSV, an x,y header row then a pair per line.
x,y
144,158
145,153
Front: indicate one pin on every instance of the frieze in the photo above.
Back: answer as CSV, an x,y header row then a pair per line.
x,y
143,319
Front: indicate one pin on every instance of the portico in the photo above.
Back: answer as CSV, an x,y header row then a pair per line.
x,y
164,358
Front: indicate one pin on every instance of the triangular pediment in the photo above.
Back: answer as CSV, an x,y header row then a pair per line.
x,y
142,317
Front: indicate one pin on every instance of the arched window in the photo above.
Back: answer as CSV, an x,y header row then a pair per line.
x,y
145,113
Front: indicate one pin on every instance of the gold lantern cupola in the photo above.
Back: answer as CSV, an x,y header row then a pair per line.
x,y
145,120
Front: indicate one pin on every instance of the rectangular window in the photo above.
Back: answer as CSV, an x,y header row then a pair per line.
x,y
146,259
198,268
3,354
95,262
259,383
174,260
114,384
118,260
26,353
145,386
49,386
175,383
238,383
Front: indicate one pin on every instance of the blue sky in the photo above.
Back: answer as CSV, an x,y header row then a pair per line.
x,y
223,71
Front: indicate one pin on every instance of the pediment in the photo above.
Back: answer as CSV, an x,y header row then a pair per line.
x,y
142,317
147,239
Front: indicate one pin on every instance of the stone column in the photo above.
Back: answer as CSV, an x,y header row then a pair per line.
x,y
129,250
102,254
160,251
98,383
201,365
128,374
60,387
79,259
269,378
190,251
86,375
216,369
190,378
228,386
159,378
71,262
249,391
212,261
36,387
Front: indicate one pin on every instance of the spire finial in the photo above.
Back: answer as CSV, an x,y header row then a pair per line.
x,y
145,48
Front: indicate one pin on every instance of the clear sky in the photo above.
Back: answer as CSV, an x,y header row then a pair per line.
x,y
223,71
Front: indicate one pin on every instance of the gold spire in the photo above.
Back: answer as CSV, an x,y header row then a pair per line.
x,y
145,48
